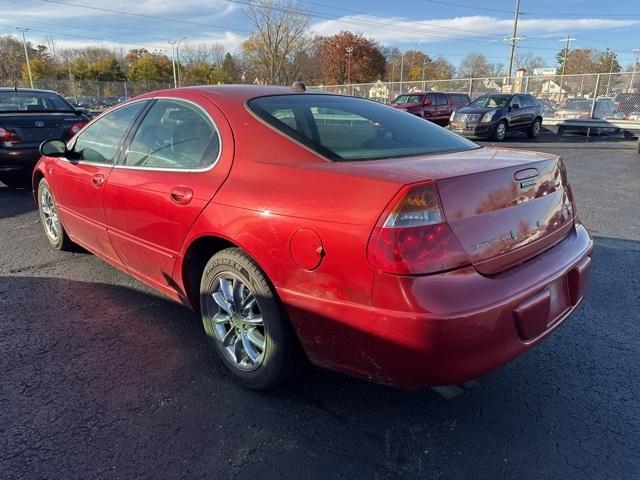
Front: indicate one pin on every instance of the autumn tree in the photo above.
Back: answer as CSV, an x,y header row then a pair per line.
x,y
337,51
587,60
145,66
278,42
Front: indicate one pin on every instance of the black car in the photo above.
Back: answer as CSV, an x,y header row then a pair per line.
x,y
27,118
627,103
495,114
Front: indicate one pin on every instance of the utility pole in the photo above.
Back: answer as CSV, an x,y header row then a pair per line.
x,y
635,66
424,63
349,51
26,52
564,59
514,38
401,68
173,62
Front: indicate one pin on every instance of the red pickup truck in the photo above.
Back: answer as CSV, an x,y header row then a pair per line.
x,y
433,106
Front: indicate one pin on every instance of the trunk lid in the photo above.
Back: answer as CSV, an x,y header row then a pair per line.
x,y
504,206
34,128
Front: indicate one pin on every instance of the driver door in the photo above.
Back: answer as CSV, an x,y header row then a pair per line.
x,y
79,179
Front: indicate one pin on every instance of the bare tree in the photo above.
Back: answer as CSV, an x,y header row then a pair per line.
x,y
279,38
194,53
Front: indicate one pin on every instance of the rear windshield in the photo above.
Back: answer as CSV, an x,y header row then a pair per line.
x,y
12,101
349,129
407,99
491,101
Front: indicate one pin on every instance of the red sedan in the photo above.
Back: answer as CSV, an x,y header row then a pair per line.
x,y
303,225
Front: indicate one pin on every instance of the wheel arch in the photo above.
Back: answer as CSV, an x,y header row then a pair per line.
x,y
37,177
195,259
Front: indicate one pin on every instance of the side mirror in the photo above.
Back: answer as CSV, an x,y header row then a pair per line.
x,y
427,102
515,105
53,148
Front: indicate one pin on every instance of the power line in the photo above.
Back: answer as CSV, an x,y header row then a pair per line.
x,y
140,15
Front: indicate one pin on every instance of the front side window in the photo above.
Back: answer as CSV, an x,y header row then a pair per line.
x,y
441,99
100,141
349,129
175,135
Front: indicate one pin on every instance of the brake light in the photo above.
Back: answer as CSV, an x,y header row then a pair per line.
x,y
7,136
412,236
76,127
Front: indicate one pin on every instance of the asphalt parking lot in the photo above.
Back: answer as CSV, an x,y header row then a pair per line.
x,y
102,378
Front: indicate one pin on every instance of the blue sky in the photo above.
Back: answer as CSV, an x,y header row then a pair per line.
x,y
451,28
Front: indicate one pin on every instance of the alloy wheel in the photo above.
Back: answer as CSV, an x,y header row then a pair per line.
x,y
501,131
49,215
237,325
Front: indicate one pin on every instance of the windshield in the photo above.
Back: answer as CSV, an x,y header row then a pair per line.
x,y
491,101
406,99
12,101
349,129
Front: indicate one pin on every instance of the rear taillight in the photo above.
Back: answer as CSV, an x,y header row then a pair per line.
x,y
76,127
7,136
412,237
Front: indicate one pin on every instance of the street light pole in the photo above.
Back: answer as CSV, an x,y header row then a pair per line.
x,y
178,57
26,52
173,62
349,51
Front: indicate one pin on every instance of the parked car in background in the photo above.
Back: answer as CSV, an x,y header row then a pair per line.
x,y
494,115
297,223
548,107
107,102
627,103
122,98
433,106
580,108
27,118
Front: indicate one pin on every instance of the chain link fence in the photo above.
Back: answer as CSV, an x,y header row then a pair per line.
x,y
567,99
93,95
613,97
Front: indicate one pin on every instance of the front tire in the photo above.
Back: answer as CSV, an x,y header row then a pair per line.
x,y
53,229
534,130
245,324
501,131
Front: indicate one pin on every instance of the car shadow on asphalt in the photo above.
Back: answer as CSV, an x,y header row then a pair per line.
x,y
12,201
123,370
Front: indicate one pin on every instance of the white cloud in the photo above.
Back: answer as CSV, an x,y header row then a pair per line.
x,y
403,30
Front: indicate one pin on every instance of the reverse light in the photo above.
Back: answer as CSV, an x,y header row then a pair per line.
x,y
487,117
412,236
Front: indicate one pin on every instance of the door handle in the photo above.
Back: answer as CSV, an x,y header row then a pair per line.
x,y
97,180
181,195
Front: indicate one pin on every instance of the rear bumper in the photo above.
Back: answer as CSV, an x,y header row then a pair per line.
x,y
480,130
448,328
19,160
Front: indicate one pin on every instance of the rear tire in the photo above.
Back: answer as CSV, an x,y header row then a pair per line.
x,y
534,130
501,131
53,229
245,323
15,180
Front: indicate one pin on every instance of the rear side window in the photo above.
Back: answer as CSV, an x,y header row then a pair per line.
x,y
349,129
29,101
174,135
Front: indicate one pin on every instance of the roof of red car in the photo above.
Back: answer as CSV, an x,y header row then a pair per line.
x,y
245,92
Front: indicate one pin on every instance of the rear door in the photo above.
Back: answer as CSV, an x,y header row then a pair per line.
x,y
442,108
171,166
79,181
